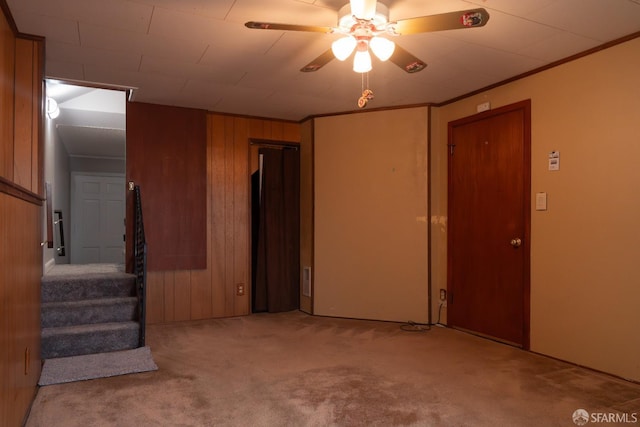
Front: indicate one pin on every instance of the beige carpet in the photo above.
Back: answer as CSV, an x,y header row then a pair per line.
x,y
291,369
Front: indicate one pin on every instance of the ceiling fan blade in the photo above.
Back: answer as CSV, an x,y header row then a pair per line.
x,y
445,21
406,60
287,27
319,62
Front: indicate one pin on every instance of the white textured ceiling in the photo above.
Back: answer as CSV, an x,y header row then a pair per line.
x,y
197,53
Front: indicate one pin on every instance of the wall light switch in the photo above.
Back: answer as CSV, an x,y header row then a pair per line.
x,y
554,161
541,201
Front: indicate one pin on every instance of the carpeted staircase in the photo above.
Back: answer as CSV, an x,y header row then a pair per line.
x,y
85,312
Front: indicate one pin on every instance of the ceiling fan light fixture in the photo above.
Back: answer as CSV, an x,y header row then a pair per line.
x,y
52,108
342,48
382,48
363,9
346,19
362,61
365,21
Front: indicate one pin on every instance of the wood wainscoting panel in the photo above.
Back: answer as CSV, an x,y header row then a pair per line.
x,y
155,297
212,292
23,120
29,74
37,116
169,285
21,113
242,217
7,68
182,295
20,272
200,304
218,194
20,220
200,285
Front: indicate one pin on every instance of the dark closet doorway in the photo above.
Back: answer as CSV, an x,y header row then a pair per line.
x,y
275,227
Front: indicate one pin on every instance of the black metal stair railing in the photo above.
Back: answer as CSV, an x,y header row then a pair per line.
x,y
140,264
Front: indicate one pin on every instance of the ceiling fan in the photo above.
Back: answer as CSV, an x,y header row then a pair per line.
x,y
363,23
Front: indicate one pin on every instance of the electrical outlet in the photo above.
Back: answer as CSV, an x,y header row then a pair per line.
x,y
485,106
443,294
240,289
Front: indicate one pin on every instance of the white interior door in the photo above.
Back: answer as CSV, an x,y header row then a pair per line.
x,y
98,211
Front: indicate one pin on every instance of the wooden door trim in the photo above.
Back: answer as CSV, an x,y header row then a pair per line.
x,y
525,107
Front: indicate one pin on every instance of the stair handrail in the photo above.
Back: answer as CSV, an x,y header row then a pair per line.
x,y
140,264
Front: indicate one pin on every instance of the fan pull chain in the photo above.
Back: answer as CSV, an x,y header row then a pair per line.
x,y
367,93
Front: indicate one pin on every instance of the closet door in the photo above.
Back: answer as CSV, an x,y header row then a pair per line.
x,y
277,274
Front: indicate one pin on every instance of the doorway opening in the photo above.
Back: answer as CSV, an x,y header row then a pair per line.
x,y
85,163
275,226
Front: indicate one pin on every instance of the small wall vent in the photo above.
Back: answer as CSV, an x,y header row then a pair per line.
x,y
306,281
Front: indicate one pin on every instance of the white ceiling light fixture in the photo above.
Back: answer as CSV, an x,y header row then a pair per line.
x,y
53,111
382,48
363,21
342,48
362,59
349,14
363,9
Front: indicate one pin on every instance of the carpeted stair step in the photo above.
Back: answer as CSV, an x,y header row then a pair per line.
x,y
87,286
102,310
87,339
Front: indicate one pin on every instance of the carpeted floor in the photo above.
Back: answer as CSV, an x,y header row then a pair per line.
x,y
291,369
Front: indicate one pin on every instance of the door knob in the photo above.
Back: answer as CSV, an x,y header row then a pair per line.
x,y
516,242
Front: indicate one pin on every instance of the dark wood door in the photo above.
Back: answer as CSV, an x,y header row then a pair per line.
x,y
489,216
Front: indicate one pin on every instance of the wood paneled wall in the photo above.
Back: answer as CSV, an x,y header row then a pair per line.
x,y
20,272
211,293
21,74
27,154
7,65
21,93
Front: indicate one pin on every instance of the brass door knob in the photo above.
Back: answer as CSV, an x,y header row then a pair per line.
x,y
516,242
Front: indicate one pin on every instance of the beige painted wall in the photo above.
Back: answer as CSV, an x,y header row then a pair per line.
x,y
370,248
585,280
306,211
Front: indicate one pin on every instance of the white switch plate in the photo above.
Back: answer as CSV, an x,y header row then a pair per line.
x,y
541,201
554,161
